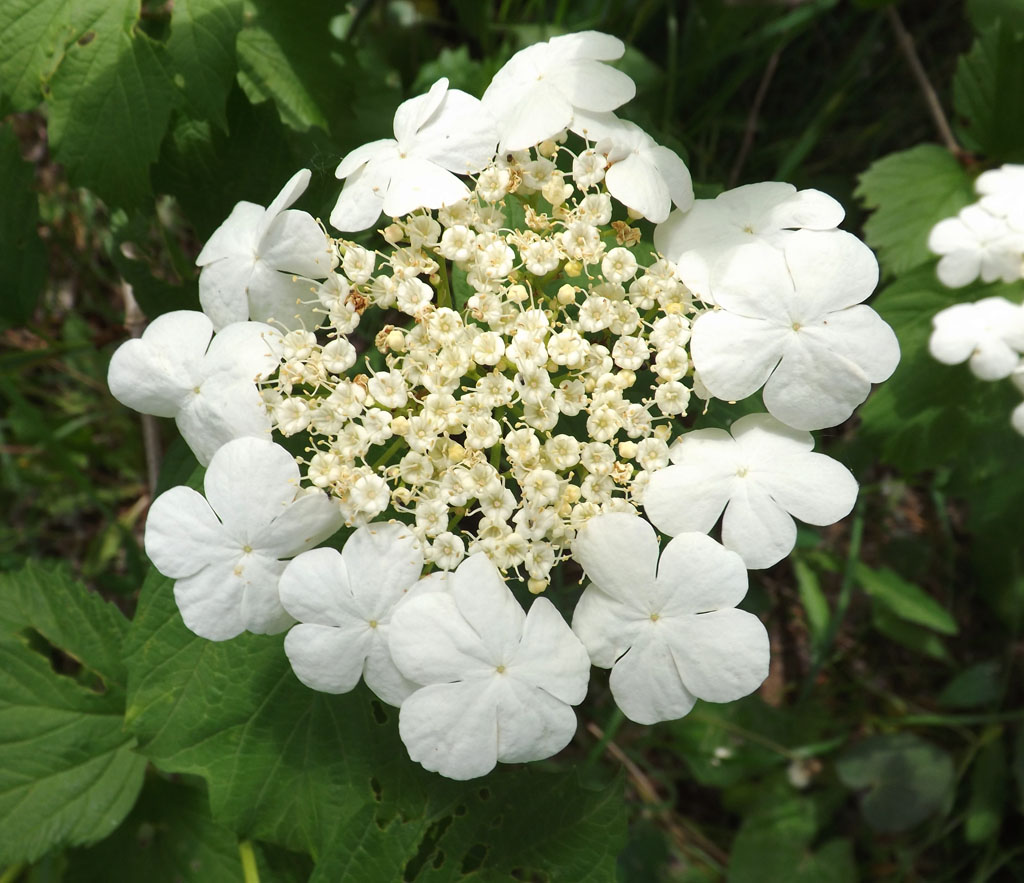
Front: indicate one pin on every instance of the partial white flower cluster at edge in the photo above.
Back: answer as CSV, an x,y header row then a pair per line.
x,y
985,239
533,371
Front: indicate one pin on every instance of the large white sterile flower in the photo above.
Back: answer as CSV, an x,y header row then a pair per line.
x,y
344,603
975,243
762,475
437,136
498,684
667,629
208,387
793,317
1002,193
226,550
698,238
254,263
540,88
987,334
642,175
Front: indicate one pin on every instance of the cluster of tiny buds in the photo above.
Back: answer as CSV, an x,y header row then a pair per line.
x,y
466,413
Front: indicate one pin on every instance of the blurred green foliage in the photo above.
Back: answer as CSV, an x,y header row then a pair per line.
x,y
888,742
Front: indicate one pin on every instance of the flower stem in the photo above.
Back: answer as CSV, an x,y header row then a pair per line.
x,y
445,296
251,873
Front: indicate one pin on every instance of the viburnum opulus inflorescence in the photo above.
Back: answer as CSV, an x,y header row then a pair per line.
x,y
490,397
985,239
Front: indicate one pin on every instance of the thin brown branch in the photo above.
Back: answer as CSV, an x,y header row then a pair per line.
x,y
931,98
752,117
686,840
135,322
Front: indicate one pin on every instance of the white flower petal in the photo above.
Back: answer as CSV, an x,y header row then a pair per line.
x,y
383,149
414,113
810,209
224,409
812,487
287,300
327,658
291,191
359,205
735,355
210,602
183,535
722,655
637,184
646,684
237,235
262,612
294,243
432,643
675,175
550,657
757,527
696,575
418,183
156,373
301,525
618,552
223,287
532,724
959,268
606,626
249,483
831,270
593,86
382,675
691,495
314,588
452,729
541,113
383,562
245,349
488,607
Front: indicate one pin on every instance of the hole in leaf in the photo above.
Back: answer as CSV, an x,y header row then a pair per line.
x,y
378,792
460,810
427,846
62,663
474,859
86,38
438,859
379,714
484,793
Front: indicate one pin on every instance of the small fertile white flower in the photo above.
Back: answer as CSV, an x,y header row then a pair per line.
x,y
540,88
208,387
437,136
498,684
226,551
793,317
976,243
343,602
258,263
762,475
987,334
697,239
1002,193
669,630
642,175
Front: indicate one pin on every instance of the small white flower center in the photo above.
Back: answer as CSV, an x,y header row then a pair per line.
x,y
373,623
655,617
500,669
742,472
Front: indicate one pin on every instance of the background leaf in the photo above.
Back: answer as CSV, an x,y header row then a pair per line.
x,y
910,192
905,779
68,771
22,256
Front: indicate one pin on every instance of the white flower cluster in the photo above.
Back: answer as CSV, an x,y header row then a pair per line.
x,y
987,239
507,383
